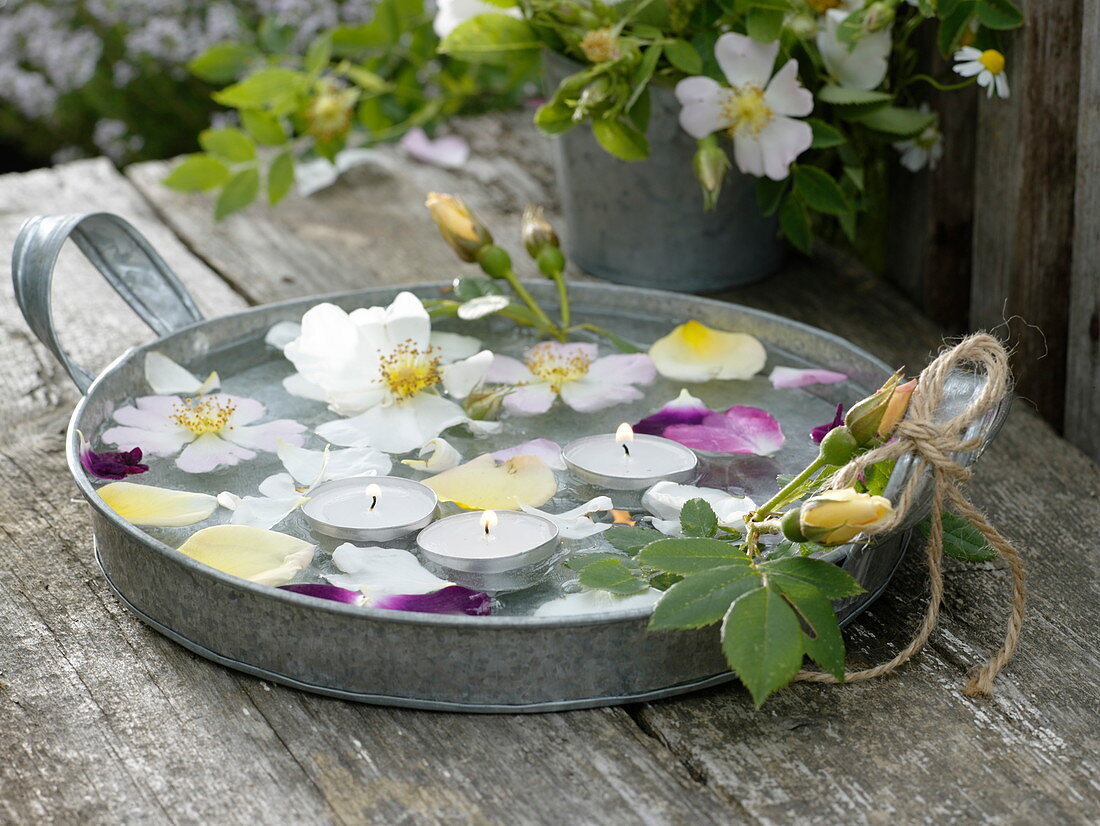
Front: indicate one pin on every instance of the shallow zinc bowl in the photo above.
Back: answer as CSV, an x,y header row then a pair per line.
x,y
497,663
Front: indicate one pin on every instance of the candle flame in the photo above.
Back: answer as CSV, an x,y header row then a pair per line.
x,y
373,492
488,521
624,436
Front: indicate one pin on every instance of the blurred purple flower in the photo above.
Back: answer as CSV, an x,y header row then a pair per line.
x,y
818,433
110,464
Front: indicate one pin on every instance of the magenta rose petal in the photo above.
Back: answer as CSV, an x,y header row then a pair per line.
x,y
110,464
741,429
684,409
786,377
454,599
818,433
329,592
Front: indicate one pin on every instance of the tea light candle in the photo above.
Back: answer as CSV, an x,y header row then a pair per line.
x,y
490,551
626,461
370,508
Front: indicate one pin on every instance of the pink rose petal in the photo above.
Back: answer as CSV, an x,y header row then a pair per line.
x,y
740,429
786,377
448,151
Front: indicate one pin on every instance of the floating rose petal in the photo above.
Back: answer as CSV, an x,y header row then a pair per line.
x,y
375,571
166,377
695,352
261,511
157,507
441,456
785,377
446,151
330,592
740,429
282,333
255,554
485,484
596,602
818,433
311,467
684,409
665,500
547,450
575,523
110,464
454,599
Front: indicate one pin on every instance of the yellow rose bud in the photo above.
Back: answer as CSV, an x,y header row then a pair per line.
x,y
536,231
458,225
895,409
834,517
865,416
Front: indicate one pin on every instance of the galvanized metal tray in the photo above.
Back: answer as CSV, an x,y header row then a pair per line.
x,y
500,663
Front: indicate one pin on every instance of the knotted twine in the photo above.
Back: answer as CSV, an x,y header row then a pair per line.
x,y
932,442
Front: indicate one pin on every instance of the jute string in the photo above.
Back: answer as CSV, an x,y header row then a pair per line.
x,y
932,443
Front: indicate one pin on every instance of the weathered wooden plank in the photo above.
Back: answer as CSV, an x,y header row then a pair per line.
x,y
112,722
370,227
1023,217
1083,365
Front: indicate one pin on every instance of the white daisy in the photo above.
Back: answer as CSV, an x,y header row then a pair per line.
x,y
989,66
756,108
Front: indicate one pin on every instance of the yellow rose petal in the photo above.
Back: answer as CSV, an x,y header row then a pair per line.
x,y
157,507
485,484
695,352
255,554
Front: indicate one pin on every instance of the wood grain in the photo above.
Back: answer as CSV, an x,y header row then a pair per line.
x,y
1083,358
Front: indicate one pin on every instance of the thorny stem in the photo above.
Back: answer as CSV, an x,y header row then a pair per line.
x,y
780,499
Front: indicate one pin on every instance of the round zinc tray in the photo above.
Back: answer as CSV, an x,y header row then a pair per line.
x,y
500,663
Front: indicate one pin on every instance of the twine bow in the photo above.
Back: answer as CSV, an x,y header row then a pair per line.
x,y
932,443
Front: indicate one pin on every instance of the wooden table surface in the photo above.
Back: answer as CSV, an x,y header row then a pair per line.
x,y
104,721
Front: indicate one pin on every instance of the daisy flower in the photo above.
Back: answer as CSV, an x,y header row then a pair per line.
x,y
989,66
756,108
584,382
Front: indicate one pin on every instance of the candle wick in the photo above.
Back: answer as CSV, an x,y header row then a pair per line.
x,y
486,529
373,502
626,448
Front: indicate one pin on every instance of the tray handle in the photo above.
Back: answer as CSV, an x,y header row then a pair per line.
x,y
123,257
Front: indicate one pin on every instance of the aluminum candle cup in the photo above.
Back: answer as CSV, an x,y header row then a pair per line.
x,y
370,508
490,551
628,461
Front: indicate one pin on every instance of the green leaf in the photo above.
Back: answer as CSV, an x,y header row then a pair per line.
x,y
230,144
877,477
961,540
953,26
197,173
690,556
762,641
1000,14
843,96
640,79
769,193
318,54
280,177
496,39
703,598
819,190
763,25
621,344
683,56
830,579
795,223
264,127
777,5
898,122
620,139
368,80
268,87
554,117
821,638
241,190
613,575
223,62
697,518
579,562
825,136
475,286
855,175
630,539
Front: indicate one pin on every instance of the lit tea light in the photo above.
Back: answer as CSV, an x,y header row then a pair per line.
x,y
490,551
628,461
370,508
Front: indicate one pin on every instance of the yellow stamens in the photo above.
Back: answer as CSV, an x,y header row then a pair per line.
x,y
747,111
993,60
557,368
600,45
407,370
204,415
